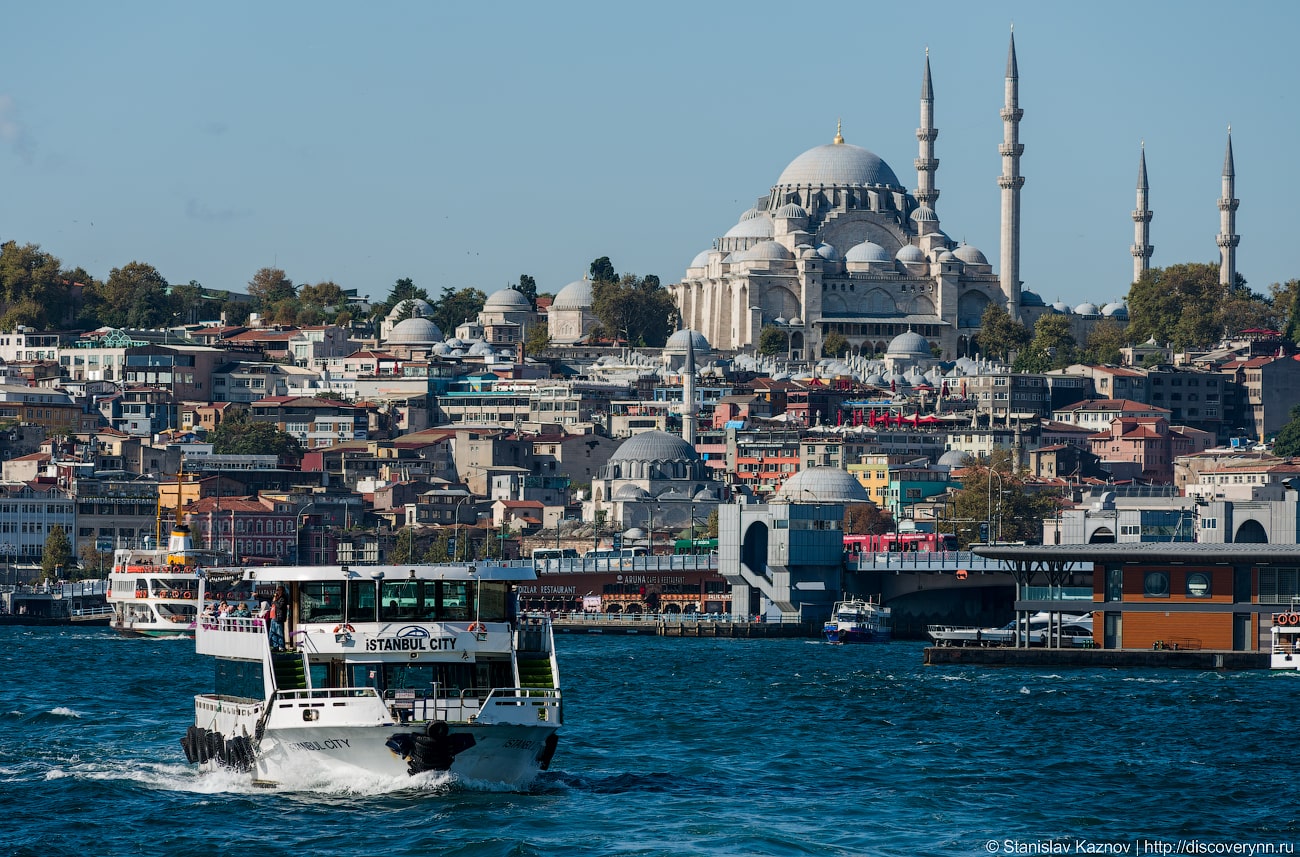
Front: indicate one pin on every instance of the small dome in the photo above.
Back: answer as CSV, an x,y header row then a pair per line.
x,y
701,259
631,492
576,295
1086,309
655,446
946,256
1115,310
953,458
417,307
1062,307
867,251
780,319
1028,298
909,344
677,343
970,255
796,321
910,253
790,210
755,227
414,331
925,214
750,214
823,485
767,251
507,300
827,252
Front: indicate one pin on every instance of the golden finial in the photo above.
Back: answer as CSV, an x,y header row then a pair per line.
x,y
839,133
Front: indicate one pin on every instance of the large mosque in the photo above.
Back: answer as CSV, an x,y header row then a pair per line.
x,y
838,245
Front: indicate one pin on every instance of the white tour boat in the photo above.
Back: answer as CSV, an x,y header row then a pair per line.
x,y
154,592
858,621
1075,632
1286,639
389,670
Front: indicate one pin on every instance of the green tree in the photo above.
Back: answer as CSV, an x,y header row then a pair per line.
x,y
32,278
404,289
1013,514
528,288
326,295
1286,300
710,526
537,340
271,286
1000,334
1185,306
457,307
866,519
239,434
834,345
57,554
403,547
135,295
1287,442
1053,346
637,309
772,341
1104,342
602,271
439,549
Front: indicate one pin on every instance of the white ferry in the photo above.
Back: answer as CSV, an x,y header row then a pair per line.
x,y
154,592
389,670
858,621
1075,632
1286,639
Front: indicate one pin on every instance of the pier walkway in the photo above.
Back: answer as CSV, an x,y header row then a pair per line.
x,y
677,625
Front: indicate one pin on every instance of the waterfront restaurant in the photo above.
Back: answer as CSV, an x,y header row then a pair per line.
x,y
1162,595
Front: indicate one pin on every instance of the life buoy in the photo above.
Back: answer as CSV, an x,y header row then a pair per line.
x,y
961,574
339,629
1288,619
189,593
477,628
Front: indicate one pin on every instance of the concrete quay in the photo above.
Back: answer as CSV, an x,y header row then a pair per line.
x,y
1006,656
657,626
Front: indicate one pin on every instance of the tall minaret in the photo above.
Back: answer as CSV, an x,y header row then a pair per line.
x,y
926,163
1228,237
1011,181
1142,248
688,392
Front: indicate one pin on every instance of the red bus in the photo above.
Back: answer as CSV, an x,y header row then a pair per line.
x,y
900,543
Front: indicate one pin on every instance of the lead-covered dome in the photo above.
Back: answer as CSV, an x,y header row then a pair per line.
x,y
677,343
838,165
508,300
970,255
655,446
414,331
910,253
867,251
576,295
759,226
908,344
823,485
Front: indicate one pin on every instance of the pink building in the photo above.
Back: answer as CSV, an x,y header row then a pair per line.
x,y
1144,448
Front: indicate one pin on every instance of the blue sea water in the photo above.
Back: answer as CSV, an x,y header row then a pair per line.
x,y
680,747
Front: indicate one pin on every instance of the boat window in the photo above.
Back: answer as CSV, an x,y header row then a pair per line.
x,y
361,601
365,675
493,603
399,600
321,601
454,600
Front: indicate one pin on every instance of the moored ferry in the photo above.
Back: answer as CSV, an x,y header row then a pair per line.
x,y
154,592
1286,639
858,621
389,670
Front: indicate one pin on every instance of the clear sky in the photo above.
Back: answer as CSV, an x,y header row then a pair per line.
x,y
462,144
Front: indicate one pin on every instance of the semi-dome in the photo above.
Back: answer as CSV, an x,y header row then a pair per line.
x,y
410,307
655,446
791,209
838,165
507,300
414,331
909,344
677,343
867,251
701,259
750,214
578,294
970,254
755,227
823,485
924,214
910,253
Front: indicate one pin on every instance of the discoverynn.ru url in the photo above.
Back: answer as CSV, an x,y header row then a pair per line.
x,y
1134,847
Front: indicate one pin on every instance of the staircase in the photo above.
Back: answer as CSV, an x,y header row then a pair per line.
x,y
535,673
289,672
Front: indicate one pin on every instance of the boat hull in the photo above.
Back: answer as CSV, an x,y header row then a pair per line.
x,y
857,635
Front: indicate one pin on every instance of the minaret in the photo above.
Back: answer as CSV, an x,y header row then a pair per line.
x,y
1228,237
1011,181
926,163
688,392
1142,248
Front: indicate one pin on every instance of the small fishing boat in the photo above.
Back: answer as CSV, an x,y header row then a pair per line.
x,y
388,670
858,621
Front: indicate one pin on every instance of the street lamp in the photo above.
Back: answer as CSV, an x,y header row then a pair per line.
x,y
993,473
297,531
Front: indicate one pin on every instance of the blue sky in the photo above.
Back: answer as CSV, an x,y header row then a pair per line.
x,y
465,144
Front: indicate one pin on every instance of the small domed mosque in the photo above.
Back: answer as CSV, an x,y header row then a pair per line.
x,y
839,245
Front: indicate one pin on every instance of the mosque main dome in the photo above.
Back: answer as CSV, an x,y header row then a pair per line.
x,y
838,165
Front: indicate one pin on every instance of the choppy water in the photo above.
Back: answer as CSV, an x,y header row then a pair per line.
x,y
680,747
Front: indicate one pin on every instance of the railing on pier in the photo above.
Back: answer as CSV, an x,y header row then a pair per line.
x,y
673,562
935,561
597,619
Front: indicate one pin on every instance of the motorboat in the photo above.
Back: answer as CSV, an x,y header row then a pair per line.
x,y
858,621
1286,639
397,671
1073,631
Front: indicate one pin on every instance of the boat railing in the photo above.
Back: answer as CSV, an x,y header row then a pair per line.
x,y
316,693
238,625
521,705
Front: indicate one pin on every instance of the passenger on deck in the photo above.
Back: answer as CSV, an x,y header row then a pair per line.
x,y
241,612
279,617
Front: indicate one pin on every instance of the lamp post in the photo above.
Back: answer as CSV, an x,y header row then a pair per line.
x,y
7,550
297,531
993,473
